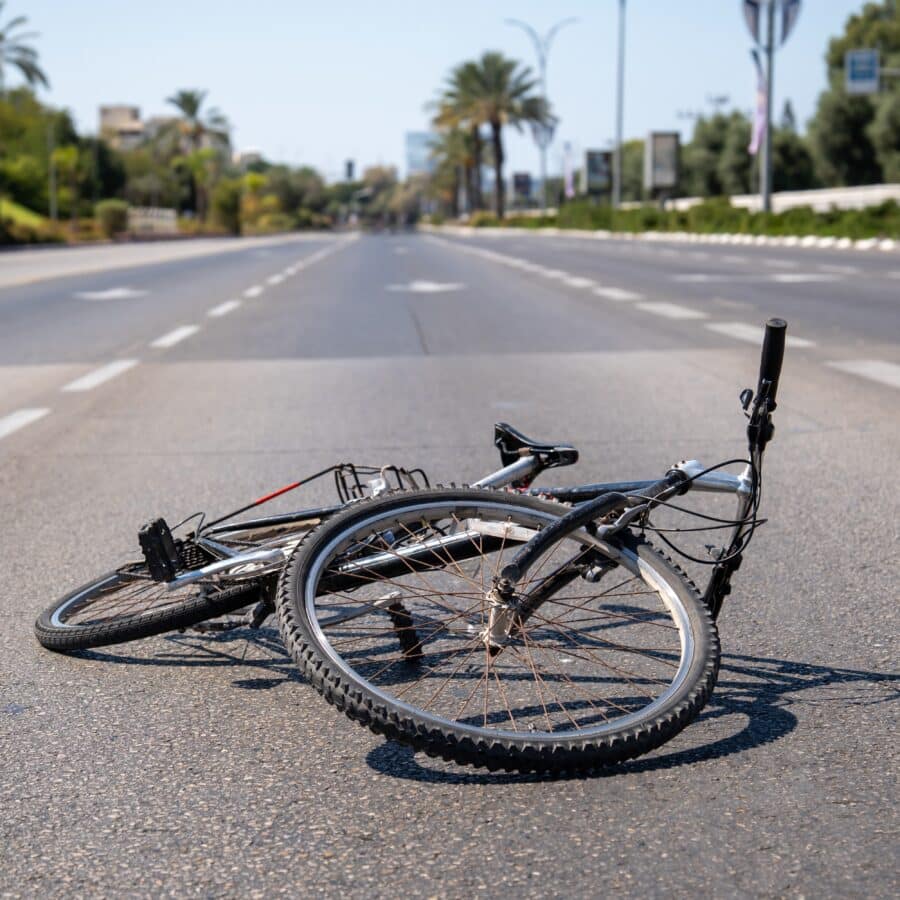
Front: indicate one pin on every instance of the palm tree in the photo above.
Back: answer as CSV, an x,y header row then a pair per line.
x,y
195,124
452,153
14,51
453,113
498,92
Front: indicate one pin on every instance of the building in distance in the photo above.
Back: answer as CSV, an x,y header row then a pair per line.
x,y
121,126
418,153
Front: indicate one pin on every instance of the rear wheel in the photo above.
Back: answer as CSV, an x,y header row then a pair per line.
x,y
606,653
126,605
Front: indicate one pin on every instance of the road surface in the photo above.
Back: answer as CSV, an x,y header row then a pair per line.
x,y
189,766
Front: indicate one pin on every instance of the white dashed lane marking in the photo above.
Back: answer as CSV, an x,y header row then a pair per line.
x,y
577,281
101,376
780,263
752,334
175,336
275,279
224,308
617,294
254,291
873,369
19,419
802,277
671,311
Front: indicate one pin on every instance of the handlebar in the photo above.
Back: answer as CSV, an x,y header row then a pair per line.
x,y
772,357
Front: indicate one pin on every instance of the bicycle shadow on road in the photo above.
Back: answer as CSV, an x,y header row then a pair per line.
x,y
257,649
761,690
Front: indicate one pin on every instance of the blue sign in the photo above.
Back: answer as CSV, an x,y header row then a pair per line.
x,y
861,71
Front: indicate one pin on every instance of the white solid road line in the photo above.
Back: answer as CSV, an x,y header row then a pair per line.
x,y
174,336
275,279
19,419
224,308
254,291
671,311
617,294
102,375
873,369
752,333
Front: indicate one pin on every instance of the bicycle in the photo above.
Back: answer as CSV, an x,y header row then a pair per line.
x,y
476,625
503,565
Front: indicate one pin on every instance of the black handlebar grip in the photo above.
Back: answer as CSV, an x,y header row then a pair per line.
x,y
772,355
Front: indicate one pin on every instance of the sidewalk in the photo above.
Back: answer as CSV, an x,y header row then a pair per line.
x,y
29,264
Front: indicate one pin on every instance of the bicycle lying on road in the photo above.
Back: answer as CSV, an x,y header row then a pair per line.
x,y
532,629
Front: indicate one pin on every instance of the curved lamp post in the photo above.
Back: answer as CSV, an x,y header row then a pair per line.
x,y
542,135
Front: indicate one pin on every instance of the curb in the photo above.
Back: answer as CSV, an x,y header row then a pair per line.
x,y
809,242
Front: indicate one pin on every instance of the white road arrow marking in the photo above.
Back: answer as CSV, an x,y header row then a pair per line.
x,y
426,287
117,293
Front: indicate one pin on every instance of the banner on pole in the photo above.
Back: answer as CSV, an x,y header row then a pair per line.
x,y
761,119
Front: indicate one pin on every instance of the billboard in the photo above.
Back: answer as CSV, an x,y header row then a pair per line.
x,y
861,71
662,153
597,173
521,185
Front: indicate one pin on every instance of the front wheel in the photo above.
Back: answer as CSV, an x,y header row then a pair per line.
x,y
606,653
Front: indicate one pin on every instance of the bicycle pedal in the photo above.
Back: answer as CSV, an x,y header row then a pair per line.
x,y
160,552
410,645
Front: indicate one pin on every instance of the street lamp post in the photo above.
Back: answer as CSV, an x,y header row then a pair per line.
x,y
620,109
542,135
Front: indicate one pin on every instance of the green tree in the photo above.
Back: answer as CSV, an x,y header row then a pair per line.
x,y
15,51
839,135
735,162
69,162
844,130
792,162
226,204
884,133
633,171
702,157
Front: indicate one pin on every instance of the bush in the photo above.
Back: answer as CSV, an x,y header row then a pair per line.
x,y
483,219
226,205
273,223
112,216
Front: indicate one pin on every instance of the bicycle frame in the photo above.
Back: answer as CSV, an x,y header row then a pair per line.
x,y
591,502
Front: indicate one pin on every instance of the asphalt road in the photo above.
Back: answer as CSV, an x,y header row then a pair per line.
x,y
193,766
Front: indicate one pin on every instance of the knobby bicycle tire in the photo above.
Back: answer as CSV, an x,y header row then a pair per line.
x,y
334,673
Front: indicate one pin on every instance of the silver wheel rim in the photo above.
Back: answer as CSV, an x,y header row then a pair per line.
x,y
628,560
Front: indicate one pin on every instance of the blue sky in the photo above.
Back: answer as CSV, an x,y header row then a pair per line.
x,y
317,82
